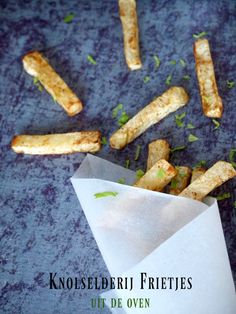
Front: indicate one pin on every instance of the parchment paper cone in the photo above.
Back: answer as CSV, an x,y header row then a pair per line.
x,y
164,235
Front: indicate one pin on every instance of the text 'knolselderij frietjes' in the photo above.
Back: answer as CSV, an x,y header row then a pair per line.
x,y
123,283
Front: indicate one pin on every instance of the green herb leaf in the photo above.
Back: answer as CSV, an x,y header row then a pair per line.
x,y
177,148
121,181
179,123
217,124
157,61
234,204
123,119
186,77
182,174
190,126
230,84
139,173
146,79
116,110
35,80
137,152
105,194
222,197
69,18
207,99
174,184
127,163
104,140
37,84
201,163
200,35
161,173
179,118
192,138
173,62
232,157
91,59
182,62
168,79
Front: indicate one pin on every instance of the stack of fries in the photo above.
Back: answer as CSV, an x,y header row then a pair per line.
x,y
195,184
182,180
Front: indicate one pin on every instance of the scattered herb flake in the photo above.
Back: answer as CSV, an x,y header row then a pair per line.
x,y
105,194
157,61
201,163
182,174
192,138
222,197
116,110
139,173
173,62
146,79
199,35
177,148
230,84
173,184
179,123
182,62
104,140
37,84
35,80
232,157
207,99
190,126
54,98
168,79
91,59
123,118
161,173
186,77
217,124
121,181
179,118
127,163
137,152
69,18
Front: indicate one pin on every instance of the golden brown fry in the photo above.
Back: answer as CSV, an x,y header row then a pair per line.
x,y
67,143
159,149
157,177
197,172
219,173
181,180
171,100
129,22
36,65
211,101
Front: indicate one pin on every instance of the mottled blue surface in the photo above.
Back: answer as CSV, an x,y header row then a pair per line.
x,y
43,228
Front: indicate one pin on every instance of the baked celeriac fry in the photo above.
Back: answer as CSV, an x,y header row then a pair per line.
x,y
157,177
219,173
36,65
129,22
197,172
158,149
171,100
67,143
181,180
211,101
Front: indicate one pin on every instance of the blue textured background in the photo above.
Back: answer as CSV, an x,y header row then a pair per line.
x,y
43,228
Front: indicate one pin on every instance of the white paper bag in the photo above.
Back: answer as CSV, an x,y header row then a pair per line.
x,y
140,231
